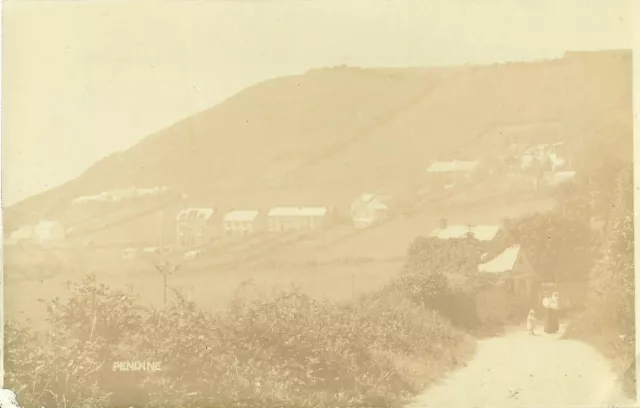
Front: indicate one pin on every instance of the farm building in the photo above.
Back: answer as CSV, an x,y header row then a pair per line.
x,y
240,223
22,234
479,232
49,231
512,266
515,288
368,209
43,232
449,173
559,177
296,218
195,227
129,253
115,196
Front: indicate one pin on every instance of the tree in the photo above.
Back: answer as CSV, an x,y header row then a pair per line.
x,y
558,247
612,281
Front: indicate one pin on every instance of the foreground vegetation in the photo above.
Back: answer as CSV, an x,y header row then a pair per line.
x,y
608,321
285,349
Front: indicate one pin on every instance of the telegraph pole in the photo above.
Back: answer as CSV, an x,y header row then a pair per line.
x,y
161,232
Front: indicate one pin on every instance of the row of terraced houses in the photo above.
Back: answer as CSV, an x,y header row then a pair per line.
x,y
198,226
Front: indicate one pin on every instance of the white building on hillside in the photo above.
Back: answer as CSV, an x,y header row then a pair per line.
x,y
240,223
22,234
195,227
368,209
44,232
296,218
479,232
560,177
49,232
449,173
512,266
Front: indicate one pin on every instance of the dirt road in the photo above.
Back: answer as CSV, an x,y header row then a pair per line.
x,y
518,370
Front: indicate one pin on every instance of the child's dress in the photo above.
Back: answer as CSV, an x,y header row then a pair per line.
x,y
530,322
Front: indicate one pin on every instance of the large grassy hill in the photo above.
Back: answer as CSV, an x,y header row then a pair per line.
x,y
327,135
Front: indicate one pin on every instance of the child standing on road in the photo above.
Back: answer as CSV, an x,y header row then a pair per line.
x,y
531,321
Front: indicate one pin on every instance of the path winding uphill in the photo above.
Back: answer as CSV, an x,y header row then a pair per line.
x,y
521,370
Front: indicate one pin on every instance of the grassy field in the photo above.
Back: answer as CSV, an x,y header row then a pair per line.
x,y
211,290
316,266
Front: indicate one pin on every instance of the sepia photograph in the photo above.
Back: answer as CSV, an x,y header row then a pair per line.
x,y
317,204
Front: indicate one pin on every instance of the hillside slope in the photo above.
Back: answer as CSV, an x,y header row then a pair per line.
x,y
332,133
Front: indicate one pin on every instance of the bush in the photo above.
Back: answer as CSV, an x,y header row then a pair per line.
x,y
557,246
67,366
280,350
609,317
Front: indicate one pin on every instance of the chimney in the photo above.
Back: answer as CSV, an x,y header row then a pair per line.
x,y
443,223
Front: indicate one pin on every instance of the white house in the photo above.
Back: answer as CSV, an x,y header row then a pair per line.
x,y
239,223
296,218
515,289
368,209
149,192
514,268
192,254
448,173
195,227
479,232
23,234
560,177
49,231
129,253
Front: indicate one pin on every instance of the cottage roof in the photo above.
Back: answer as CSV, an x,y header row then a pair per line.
x,y
241,215
504,262
373,200
24,232
195,214
479,232
562,177
452,166
298,212
378,205
43,225
44,229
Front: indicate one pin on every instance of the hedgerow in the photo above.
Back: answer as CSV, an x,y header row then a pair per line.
x,y
284,349
609,317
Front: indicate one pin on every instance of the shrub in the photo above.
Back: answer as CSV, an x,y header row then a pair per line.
x,y
285,349
66,366
558,246
609,317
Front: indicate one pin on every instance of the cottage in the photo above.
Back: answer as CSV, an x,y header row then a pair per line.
x,y
240,223
559,177
192,255
296,218
48,232
479,232
514,292
368,209
513,267
22,234
129,253
449,173
195,227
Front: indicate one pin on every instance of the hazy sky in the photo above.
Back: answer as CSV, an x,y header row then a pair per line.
x,y
84,79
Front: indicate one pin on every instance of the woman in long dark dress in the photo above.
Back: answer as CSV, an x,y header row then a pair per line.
x,y
552,304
